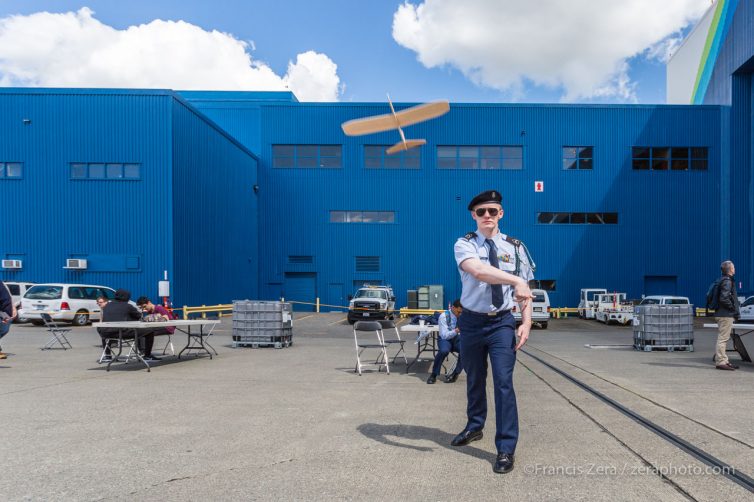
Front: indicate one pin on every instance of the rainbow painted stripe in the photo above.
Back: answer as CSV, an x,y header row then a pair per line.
x,y
724,11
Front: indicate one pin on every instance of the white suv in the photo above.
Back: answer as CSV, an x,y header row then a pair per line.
x,y
17,291
75,303
540,311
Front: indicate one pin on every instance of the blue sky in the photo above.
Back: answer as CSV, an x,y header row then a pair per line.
x,y
357,36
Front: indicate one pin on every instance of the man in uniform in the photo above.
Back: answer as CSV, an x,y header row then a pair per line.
x,y
449,341
495,273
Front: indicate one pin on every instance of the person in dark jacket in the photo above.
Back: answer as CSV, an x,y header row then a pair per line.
x,y
7,313
727,312
120,310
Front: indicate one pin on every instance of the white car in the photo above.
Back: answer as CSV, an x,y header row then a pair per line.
x,y
664,300
747,309
74,303
17,291
540,308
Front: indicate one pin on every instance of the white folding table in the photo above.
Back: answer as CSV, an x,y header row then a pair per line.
x,y
195,339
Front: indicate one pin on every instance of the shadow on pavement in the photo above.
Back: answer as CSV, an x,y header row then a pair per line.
x,y
391,435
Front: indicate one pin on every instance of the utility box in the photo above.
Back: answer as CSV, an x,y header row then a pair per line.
x,y
423,297
412,299
436,297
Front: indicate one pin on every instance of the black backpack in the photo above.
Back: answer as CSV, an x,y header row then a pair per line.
x,y
713,295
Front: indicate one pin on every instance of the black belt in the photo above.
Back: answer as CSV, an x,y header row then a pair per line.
x,y
488,314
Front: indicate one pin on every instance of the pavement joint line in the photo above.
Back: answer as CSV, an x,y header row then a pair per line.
x,y
702,424
645,461
736,476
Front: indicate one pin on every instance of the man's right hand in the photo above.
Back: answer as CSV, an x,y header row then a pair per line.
x,y
522,293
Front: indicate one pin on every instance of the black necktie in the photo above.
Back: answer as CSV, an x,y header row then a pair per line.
x,y
497,289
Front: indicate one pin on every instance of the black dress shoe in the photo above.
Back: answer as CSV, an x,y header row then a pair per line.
x,y
465,437
451,378
504,463
734,366
432,379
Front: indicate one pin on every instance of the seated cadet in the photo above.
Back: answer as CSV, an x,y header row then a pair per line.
x,y
449,341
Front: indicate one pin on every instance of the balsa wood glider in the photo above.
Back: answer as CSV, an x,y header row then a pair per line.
x,y
397,120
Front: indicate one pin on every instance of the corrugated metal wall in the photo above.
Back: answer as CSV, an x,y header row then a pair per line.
x,y
215,213
659,212
731,85
49,217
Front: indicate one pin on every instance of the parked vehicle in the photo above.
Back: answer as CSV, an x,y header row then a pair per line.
x,y
372,302
664,300
747,309
588,302
613,308
540,308
17,291
74,303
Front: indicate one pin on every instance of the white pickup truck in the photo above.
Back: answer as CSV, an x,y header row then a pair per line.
x,y
613,308
588,302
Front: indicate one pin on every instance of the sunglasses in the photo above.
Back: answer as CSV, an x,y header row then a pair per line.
x,y
492,210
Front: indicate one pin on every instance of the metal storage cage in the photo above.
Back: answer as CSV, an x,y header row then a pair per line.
x,y
665,327
262,324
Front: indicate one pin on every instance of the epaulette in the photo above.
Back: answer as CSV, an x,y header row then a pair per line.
x,y
513,240
469,236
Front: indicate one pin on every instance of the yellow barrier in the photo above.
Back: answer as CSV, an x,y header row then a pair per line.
x,y
405,311
702,312
559,312
204,309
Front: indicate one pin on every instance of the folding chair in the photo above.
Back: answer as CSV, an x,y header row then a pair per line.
x,y
388,324
382,359
114,338
58,334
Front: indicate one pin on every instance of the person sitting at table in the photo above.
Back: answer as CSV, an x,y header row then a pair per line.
x,y
449,341
120,310
101,302
149,308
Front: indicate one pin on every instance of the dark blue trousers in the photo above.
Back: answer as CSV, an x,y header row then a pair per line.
x,y
445,347
494,337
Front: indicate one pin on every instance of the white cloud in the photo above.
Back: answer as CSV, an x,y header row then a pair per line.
x,y
581,46
315,77
74,49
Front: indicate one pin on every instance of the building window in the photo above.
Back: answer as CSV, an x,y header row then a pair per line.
x,y
665,158
362,217
577,218
578,157
307,156
11,170
546,284
375,157
480,157
104,171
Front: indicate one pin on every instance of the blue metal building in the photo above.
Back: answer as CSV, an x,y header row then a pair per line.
x,y
253,194
134,182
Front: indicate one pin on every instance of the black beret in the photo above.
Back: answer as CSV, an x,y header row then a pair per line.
x,y
485,197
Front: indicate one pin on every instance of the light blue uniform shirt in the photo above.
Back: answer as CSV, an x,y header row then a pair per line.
x,y
477,295
448,326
